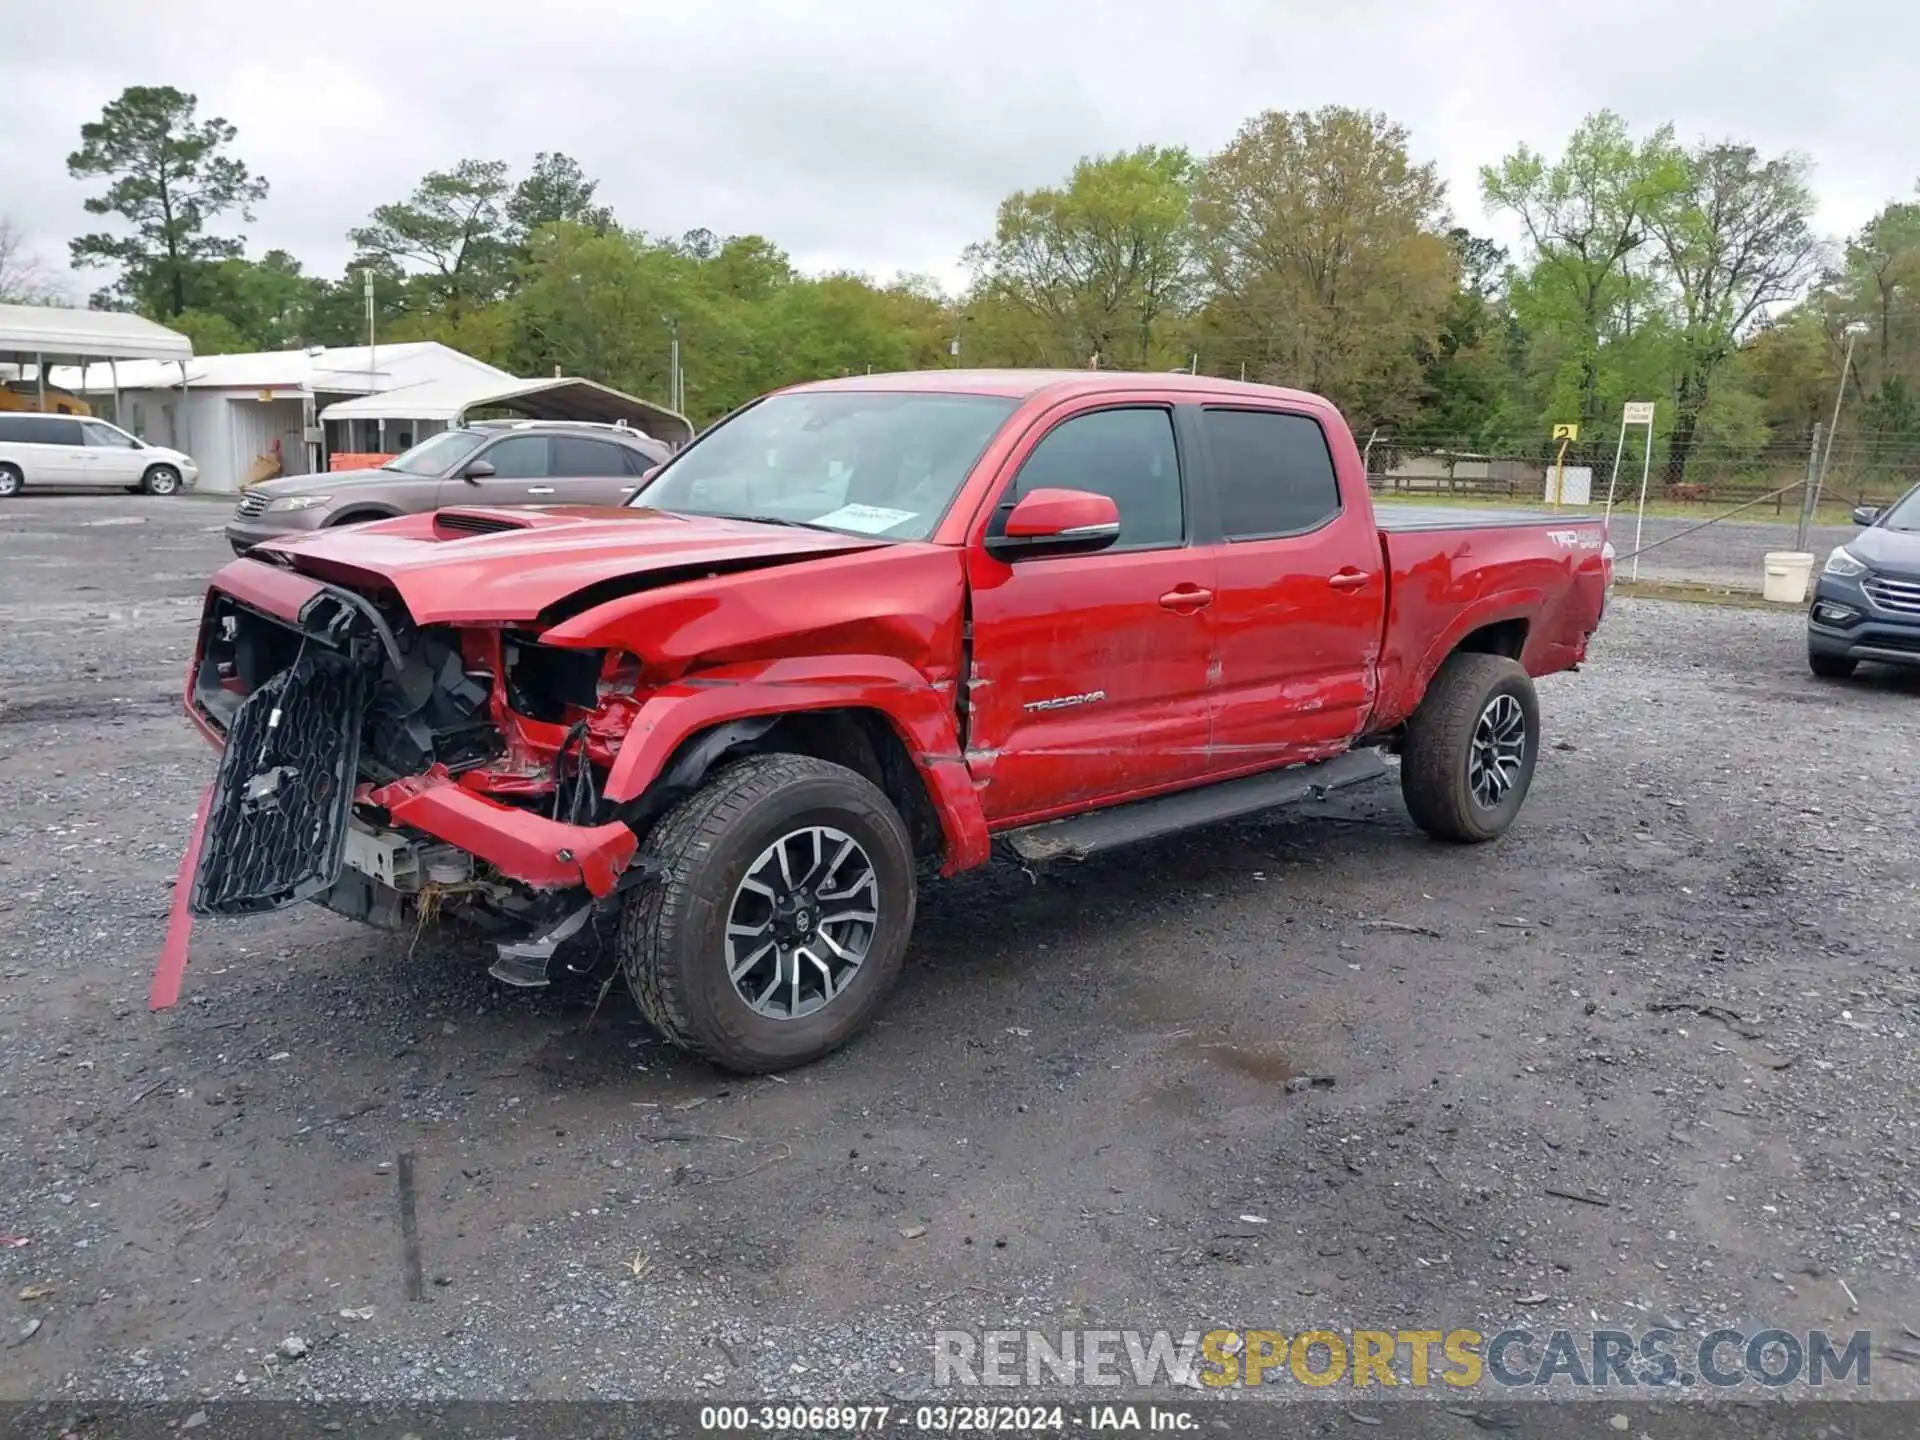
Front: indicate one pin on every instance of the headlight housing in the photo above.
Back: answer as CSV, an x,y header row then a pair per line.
x,y
299,502
1842,562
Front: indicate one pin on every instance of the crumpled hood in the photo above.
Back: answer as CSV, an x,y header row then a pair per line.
x,y
538,556
1897,552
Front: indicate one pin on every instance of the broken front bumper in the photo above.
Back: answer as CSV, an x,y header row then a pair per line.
x,y
288,787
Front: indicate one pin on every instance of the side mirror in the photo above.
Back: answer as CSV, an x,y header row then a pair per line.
x,y
1865,514
478,470
648,474
1057,522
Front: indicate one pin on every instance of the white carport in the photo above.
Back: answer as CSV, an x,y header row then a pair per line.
x,y
453,402
234,412
38,336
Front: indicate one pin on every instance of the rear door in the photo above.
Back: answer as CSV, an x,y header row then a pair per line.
x,y
522,475
49,450
1302,590
1089,672
588,471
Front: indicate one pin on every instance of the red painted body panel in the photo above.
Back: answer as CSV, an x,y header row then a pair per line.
x,y
528,847
922,716
1299,628
547,556
1448,583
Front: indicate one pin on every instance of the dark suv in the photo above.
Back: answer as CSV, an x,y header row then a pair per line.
x,y
490,462
1866,603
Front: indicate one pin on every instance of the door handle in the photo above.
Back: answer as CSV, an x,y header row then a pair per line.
x,y
540,489
1349,579
1186,599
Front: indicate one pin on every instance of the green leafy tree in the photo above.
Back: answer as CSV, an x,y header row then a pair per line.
x,y
451,230
170,177
1323,247
1100,266
1472,368
1738,238
556,190
1588,219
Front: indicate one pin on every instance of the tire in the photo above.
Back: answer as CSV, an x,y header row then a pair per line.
x,y
161,480
12,482
677,945
1830,667
1437,760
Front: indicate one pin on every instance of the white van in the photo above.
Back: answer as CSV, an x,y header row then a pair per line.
x,y
78,451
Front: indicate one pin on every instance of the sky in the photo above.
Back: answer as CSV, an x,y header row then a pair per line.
x,y
879,137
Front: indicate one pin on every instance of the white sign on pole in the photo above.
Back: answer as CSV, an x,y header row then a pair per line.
x,y
1575,488
1636,412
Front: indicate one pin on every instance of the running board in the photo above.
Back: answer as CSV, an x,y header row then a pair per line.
x,y
1098,830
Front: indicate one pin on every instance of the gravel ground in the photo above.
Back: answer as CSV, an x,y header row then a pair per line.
x,y
1685,986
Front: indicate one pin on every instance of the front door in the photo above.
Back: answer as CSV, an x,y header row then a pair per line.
x,y
522,475
1302,592
1089,676
109,456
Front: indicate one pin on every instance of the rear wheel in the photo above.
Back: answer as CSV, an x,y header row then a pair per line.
x,y
1830,667
161,480
12,482
1470,749
780,917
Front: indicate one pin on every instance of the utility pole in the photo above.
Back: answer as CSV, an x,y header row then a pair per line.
x,y
1854,331
675,400
366,286
1816,468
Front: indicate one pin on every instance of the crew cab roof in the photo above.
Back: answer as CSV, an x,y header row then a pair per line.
x,y
1023,384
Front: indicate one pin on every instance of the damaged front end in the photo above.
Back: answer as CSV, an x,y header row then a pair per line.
x,y
398,773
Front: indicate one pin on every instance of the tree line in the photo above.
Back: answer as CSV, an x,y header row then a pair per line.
x,y
1313,250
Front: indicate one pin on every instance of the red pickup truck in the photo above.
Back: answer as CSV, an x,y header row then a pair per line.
x,y
860,631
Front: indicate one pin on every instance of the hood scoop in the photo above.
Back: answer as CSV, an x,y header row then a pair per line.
x,y
458,524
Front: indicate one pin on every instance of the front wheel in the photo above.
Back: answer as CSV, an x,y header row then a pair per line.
x,y
779,918
161,480
1470,749
12,482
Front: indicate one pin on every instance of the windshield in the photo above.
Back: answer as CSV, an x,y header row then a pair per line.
x,y
437,454
861,461
1905,514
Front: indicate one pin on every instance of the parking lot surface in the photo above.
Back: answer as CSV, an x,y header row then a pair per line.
x,y
1648,1061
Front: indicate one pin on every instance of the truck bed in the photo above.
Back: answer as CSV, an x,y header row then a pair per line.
x,y
1536,581
1391,516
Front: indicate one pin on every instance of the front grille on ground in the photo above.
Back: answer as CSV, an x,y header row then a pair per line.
x,y
251,504
276,830
1896,597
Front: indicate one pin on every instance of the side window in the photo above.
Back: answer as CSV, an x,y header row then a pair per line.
x,y
48,430
104,436
1127,455
521,457
574,456
638,462
1273,473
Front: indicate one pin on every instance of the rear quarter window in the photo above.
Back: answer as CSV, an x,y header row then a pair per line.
x,y
38,430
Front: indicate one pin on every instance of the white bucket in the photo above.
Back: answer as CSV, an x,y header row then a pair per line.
x,y
1787,572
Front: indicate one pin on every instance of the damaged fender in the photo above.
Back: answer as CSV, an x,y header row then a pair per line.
x,y
921,715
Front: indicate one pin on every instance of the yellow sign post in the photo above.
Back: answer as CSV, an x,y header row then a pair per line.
x,y
1566,435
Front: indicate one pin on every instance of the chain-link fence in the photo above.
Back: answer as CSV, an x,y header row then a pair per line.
x,y
1712,514
1859,471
